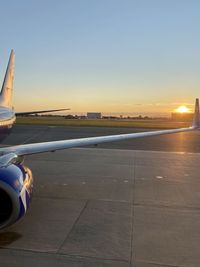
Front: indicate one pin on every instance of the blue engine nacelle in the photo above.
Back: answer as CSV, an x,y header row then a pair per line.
x,y
16,187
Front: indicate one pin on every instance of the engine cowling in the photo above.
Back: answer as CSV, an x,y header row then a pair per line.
x,y
16,188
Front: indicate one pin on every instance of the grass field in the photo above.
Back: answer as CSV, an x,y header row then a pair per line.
x,y
59,121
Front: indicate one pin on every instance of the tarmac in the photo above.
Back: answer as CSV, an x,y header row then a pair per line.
x,y
108,206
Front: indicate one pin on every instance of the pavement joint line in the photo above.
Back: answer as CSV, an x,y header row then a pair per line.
x,y
186,208
74,224
158,264
91,257
64,161
61,254
71,256
82,199
123,201
145,151
132,169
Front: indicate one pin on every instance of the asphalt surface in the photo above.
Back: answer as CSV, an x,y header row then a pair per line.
x,y
108,207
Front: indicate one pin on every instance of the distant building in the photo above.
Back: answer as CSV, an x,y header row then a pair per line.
x,y
94,115
181,116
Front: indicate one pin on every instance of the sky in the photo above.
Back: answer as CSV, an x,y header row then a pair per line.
x,y
109,56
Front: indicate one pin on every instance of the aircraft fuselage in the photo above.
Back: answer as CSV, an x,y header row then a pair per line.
x,y
7,119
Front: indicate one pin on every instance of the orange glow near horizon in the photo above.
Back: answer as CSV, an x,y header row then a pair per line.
x,y
107,107
182,109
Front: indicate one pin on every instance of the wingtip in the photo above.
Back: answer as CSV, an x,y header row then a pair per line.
x,y
12,51
196,120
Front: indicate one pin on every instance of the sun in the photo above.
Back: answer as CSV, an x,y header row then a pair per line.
x,y
182,109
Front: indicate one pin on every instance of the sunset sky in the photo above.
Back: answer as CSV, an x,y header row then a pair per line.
x,y
118,56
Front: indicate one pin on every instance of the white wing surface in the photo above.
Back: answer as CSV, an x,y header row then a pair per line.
x,y
28,149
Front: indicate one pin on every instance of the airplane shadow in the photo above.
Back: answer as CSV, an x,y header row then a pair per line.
x,y
8,238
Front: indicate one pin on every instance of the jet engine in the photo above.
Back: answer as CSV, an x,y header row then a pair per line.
x,y
16,187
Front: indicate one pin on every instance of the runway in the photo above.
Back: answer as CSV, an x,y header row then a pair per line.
x,y
108,206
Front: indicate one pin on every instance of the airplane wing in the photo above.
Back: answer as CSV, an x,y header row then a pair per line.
x,y
12,154
28,149
39,111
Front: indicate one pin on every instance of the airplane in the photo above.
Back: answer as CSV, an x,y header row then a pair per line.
x,y
16,179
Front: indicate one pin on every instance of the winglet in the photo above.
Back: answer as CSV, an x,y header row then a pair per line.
x,y
196,119
7,88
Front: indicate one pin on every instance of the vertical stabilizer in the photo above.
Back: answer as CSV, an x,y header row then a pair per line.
x,y
196,120
7,87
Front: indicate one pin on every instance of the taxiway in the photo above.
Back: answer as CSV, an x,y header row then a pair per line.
x,y
108,207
